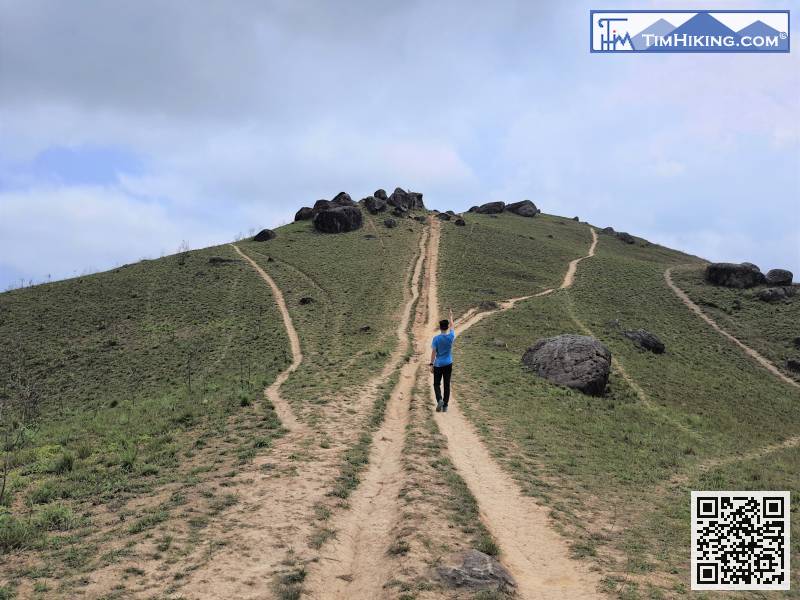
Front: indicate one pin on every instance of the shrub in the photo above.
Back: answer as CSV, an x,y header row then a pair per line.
x,y
63,464
16,533
56,517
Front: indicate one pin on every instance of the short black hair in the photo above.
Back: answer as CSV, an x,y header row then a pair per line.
x,y
444,324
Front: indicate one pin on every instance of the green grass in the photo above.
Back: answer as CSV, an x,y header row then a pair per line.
x,y
609,460
769,328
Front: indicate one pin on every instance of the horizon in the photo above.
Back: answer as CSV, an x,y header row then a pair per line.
x,y
123,143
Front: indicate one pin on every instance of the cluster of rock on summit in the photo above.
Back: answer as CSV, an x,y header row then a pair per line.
x,y
747,275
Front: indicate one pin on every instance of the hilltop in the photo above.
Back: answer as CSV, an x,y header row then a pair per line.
x,y
255,419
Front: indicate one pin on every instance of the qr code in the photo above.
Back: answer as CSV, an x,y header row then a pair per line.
x,y
740,540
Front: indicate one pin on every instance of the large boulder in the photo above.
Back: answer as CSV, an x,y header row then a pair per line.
x,y
406,200
645,340
421,218
473,209
475,570
415,201
338,220
576,361
779,277
390,223
265,235
380,194
343,199
400,212
733,275
622,236
322,205
525,208
374,204
443,217
490,208
773,294
460,222
608,230
793,365
304,214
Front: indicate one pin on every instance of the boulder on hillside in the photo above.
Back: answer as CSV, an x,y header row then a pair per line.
x,y
525,208
338,220
265,235
751,265
381,194
304,214
625,237
322,205
443,217
733,275
460,222
645,340
374,204
390,222
306,300
779,277
774,294
400,212
576,361
342,199
473,209
421,218
415,201
608,230
793,365
406,200
576,219
475,570
491,208
796,342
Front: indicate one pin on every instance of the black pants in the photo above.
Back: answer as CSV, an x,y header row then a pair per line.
x,y
438,373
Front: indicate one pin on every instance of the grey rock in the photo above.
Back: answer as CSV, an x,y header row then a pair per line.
x,y
338,220
415,201
793,365
265,235
473,209
525,208
381,194
607,230
342,199
575,219
751,265
304,214
645,340
443,217
488,305
796,342
779,277
322,205
421,218
369,236
475,570
774,294
390,223
374,204
460,222
400,212
406,200
365,329
733,275
625,237
498,343
306,300
576,361
490,208
451,213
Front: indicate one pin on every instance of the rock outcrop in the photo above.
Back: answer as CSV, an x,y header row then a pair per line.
x,y
265,235
304,214
625,237
460,222
733,275
343,199
576,361
406,200
443,217
525,208
374,204
773,294
390,223
381,194
338,220
645,340
779,277
490,208
475,570
608,230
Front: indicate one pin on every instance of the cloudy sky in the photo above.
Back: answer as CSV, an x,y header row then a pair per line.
x,y
127,128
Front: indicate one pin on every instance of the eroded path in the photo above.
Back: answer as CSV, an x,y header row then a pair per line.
x,y
533,552
761,360
354,565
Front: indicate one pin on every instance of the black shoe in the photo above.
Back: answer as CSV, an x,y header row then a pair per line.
x,y
444,408
439,406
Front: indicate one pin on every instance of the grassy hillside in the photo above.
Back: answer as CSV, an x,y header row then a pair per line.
x,y
769,328
617,470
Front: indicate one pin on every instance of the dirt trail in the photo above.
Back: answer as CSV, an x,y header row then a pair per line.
x,y
747,349
569,278
355,565
536,555
282,408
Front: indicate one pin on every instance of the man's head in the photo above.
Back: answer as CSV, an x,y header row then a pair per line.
x,y
444,324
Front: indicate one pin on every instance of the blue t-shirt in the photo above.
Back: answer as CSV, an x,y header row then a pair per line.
x,y
443,344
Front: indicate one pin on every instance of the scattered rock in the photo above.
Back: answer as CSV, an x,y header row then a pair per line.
x,y
343,199
576,361
793,365
607,230
625,237
265,235
304,214
451,213
380,194
475,570
737,304
498,343
374,204
322,205
775,294
779,277
219,260
490,208
550,235
733,275
460,222
415,198
306,300
473,209
443,217
525,208
796,342
406,200
369,236
390,223
338,220
365,329
421,218
575,219
645,340
400,212
270,259
488,305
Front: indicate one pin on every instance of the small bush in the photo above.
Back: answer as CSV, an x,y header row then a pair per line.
x,y
63,463
127,458
17,533
56,517
47,491
148,521
83,450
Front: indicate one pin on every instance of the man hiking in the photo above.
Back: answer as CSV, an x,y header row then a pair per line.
x,y
442,361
